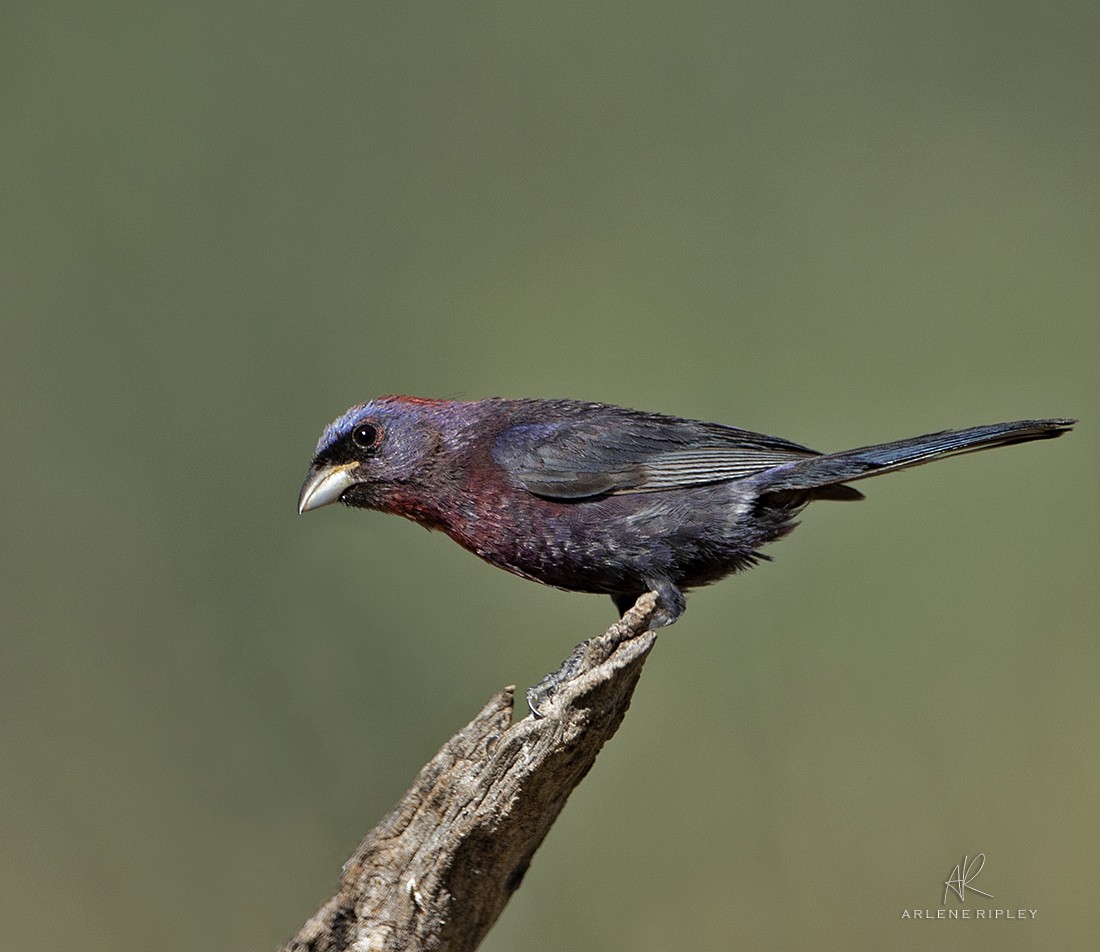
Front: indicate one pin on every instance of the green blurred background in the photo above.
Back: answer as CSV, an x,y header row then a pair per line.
x,y
840,223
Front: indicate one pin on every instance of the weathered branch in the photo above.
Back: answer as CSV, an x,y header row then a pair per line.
x,y
438,870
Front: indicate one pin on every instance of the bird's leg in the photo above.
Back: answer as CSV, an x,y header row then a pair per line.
x,y
652,614
625,601
671,602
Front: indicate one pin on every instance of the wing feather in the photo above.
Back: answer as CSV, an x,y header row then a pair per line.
x,y
595,450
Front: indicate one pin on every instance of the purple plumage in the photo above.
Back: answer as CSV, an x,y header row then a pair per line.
x,y
591,497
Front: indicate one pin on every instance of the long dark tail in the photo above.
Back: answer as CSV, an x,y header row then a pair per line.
x,y
834,468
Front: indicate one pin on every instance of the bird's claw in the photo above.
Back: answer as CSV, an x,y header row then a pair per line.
x,y
539,695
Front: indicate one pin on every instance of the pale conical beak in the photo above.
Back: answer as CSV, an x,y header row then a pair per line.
x,y
325,486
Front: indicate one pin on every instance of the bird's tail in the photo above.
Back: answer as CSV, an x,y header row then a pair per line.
x,y
835,468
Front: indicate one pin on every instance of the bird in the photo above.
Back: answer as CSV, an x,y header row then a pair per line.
x,y
598,498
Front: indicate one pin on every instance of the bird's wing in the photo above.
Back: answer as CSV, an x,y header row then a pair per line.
x,y
608,450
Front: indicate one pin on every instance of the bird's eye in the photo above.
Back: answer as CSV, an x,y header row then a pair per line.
x,y
366,436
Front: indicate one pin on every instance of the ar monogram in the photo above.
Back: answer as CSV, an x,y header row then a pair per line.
x,y
962,876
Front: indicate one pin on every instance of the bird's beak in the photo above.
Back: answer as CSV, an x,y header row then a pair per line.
x,y
325,486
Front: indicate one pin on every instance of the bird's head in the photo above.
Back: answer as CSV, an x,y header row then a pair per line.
x,y
375,454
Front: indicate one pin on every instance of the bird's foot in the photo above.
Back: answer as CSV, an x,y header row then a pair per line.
x,y
671,604
539,695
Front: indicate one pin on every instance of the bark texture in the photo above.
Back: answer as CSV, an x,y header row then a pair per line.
x,y
438,870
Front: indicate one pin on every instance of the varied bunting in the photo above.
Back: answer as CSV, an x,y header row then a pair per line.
x,y
591,497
